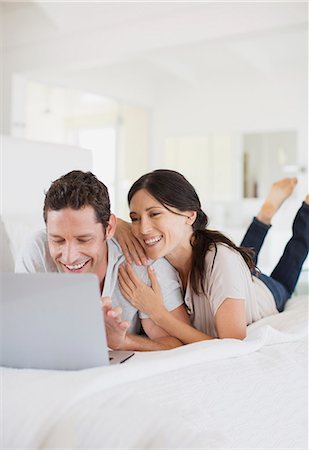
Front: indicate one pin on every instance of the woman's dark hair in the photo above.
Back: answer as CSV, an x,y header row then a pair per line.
x,y
76,190
172,189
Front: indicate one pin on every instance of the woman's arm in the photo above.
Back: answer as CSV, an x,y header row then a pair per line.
x,y
148,299
182,331
132,249
230,323
230,318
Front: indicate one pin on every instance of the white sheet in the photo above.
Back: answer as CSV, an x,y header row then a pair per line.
x,y
215,394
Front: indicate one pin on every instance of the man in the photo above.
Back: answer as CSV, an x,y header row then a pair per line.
x,y
79,239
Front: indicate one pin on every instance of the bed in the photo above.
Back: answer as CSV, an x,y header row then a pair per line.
x,y
216,394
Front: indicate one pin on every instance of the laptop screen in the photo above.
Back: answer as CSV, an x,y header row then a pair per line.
x,y
52,321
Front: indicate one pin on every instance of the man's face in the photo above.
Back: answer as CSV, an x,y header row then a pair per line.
x,y
77,242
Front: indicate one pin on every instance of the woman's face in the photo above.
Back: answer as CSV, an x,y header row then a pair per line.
x,y
160,231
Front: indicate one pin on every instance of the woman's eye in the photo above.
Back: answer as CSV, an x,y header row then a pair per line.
x,y
134,219
154,214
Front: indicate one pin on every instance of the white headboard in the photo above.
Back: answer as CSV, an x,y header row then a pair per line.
x,y
27,170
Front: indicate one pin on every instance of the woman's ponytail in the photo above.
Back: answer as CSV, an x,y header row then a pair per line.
x,y
201,242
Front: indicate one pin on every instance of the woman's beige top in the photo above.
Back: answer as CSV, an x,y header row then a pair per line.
x,y
227,276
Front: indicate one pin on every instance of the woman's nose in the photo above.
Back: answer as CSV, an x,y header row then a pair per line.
x,y
145,226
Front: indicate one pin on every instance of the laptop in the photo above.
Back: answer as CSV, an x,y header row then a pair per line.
x,y
53,321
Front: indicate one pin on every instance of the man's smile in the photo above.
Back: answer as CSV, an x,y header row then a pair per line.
x,y
75,267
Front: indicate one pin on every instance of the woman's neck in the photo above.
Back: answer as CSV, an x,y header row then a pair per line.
x,y
181,259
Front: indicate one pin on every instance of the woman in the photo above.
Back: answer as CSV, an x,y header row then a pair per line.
x,y
223,291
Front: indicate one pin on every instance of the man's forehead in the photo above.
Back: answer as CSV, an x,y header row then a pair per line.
x,y
80,221
86,212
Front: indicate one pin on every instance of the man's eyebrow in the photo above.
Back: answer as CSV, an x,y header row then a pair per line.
x,y
77,236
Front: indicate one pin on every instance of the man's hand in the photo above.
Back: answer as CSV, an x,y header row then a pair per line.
x,y
116,328
118,337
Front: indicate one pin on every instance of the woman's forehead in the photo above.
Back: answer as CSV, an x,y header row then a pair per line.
x,y
142,197
143,201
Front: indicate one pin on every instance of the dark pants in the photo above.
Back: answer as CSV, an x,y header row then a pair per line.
x,y
283,278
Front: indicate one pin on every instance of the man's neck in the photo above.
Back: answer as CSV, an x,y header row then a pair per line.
x,y
103,269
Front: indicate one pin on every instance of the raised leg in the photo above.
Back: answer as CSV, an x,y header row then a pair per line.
x,y
255,236
260,225
288,269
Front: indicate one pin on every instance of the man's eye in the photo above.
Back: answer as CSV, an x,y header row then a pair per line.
x,y
58,242
84,241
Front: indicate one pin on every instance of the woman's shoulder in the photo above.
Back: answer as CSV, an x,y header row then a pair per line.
x,y
221,249
223,255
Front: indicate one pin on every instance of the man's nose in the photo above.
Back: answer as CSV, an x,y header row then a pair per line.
x,y
70,253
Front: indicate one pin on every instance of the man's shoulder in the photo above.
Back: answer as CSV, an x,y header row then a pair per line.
x,y
39,236
34,255
113,245
115,254
162,267
162,264
35,241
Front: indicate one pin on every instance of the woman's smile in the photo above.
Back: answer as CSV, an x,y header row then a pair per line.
x,y
150,242
161,230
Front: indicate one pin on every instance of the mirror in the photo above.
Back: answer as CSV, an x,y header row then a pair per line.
x,y
267,157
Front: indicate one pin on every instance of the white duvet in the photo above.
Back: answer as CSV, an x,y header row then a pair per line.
x,y
215,394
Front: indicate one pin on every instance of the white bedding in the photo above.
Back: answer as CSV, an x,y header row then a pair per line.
x,y
215,394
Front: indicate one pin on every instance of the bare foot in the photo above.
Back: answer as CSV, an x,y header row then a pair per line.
x,y
279,192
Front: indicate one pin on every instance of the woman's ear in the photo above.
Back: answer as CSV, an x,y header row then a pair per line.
x,y
191,217
111,227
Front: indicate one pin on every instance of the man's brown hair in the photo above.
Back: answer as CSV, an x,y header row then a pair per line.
x,y
77,190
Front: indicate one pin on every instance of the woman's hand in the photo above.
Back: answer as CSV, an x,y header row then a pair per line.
x,y
147,299
131,247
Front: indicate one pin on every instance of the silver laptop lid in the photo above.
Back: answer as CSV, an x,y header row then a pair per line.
x,y
51,321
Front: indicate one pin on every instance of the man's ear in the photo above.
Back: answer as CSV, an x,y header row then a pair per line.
x,y
191,217
111,227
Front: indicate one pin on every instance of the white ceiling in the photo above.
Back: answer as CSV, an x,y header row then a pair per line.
x,y
130,50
